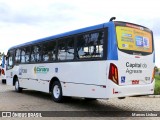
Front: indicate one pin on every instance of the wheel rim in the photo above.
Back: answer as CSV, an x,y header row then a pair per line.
x,y
56,91
16,85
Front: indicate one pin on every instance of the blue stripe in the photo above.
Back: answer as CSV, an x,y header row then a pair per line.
x,y
61,35
112,42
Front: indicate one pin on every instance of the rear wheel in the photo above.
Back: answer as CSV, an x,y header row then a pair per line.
x,y
4,81
57,92
121,97
17,88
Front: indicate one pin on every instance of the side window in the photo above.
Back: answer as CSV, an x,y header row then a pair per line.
x,y
36,53
10,60
49,51
23,50
70,49
90,45
25,55
17,56
61,50
66,49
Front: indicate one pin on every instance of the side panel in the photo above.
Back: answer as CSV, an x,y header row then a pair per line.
x,y
81,90
82,79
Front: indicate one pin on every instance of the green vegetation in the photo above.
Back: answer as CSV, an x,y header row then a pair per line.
x,y
157,85
156,69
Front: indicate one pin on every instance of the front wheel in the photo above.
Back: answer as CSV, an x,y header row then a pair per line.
x,y
17,88
57,92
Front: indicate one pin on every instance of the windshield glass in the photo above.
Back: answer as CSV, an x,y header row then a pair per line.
x,y
132,38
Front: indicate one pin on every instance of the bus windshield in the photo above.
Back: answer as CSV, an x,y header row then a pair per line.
x,y
134,39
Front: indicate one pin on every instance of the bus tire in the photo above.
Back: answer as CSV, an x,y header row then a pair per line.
x,y
17,88
57,92
121,98
4,81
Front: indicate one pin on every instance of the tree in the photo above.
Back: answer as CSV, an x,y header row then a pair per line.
x,y
156,69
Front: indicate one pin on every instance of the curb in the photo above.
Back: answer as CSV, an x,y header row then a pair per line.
x,y
154,96
148,96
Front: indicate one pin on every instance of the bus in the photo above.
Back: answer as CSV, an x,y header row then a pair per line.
x,y
3,70
108,60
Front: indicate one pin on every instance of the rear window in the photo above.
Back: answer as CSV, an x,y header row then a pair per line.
x,y
132,39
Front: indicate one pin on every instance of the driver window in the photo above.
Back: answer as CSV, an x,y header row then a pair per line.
x,y
10,60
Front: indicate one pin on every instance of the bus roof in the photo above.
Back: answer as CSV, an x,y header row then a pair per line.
x,y
82,30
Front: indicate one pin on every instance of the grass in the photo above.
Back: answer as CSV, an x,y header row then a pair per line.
x,y
157,85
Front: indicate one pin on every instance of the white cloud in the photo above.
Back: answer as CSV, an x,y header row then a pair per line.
x,y
25,20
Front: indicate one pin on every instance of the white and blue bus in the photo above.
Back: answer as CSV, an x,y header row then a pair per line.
x,y
114,59
3,70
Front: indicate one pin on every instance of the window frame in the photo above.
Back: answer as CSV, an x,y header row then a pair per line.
x,y
11,53
66,43
105,30
40,53
56,40
42,45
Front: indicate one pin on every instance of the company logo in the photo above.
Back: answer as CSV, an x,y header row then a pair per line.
x,y
21,70
41,69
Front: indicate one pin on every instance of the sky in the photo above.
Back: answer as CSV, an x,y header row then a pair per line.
x,y
26,20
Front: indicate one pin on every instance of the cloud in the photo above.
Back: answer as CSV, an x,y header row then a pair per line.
x,y
35,14
26,20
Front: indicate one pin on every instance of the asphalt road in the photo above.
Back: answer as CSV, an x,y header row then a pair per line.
x,y
30,100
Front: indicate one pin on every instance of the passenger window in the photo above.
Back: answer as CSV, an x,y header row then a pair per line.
x,y
25,52
66,49
70,49
23,55
61,50
35,53
90,45
17,56
27,55
49,51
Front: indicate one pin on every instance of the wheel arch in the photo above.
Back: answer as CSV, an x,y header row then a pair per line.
x,y
52,81
14,79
